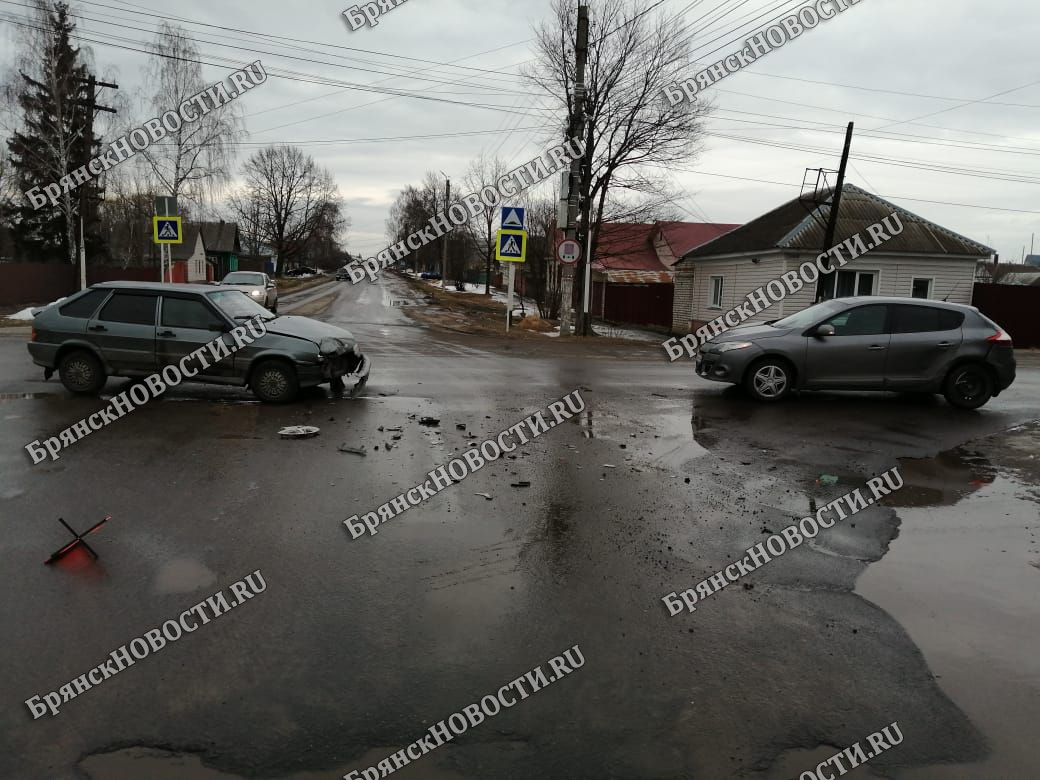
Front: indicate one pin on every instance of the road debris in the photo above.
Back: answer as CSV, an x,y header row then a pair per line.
x,y
353,450
521,483
827,479
485,495
299,432
431,422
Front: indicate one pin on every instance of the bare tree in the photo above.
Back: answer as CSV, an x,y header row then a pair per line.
x,y
195,161
412,210
631,130
484,172
286,200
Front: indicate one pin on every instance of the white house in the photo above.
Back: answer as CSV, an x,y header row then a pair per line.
x,y
924,261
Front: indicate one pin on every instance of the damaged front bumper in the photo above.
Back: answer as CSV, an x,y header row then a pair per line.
x,y
339,359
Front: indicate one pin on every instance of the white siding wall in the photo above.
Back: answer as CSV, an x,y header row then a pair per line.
x,y
197,263
682,302
895,275
741,277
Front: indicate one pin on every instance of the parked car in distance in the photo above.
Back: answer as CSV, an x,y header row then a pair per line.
x,y
135,329
868,343
302,270
430,275
341,274
258,286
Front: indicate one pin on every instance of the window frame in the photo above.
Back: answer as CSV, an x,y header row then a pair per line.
x,y
202,299
154,295
931,287
886,326
711,291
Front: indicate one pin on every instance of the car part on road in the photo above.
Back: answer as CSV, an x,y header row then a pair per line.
x,y
79,540
274,381
353,450
430,422
299,432
81,372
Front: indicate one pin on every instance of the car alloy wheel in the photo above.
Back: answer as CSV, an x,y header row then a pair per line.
x,y
770,381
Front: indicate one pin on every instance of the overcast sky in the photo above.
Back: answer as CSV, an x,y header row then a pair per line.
x,y
954,56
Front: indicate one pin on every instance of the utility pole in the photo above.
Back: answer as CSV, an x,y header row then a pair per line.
x,y
444,238
576,129
84,191
832,220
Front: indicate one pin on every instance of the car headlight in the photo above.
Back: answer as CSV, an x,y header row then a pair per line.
x,y
255,293
734,345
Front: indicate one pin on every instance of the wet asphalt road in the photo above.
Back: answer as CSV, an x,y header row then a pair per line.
x,y
358,646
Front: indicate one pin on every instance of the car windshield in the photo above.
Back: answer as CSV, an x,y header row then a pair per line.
x,y
810,316
240,277
239,306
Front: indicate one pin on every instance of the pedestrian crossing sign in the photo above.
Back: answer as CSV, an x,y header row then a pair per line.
x,y
511,246
167,230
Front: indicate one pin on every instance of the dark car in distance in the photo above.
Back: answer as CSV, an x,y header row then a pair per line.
x,y
868,343
135,329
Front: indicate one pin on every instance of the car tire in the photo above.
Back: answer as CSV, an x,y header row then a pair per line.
x,y
968,386
274,381
81,372
769,380
274,308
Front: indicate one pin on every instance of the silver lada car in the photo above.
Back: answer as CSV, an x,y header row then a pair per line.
x,y
868,343
135,329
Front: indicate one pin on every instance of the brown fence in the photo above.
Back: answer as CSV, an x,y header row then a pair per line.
x,y
45,282
1014,308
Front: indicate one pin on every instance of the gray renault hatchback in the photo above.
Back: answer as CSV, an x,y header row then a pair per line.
x,y
868,343
135,329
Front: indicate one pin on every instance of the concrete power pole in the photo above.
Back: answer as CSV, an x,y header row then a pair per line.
x,y
832,220
444,241
84,191
576,129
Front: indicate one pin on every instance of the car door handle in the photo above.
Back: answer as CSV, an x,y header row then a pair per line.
x,y
876,347
97,327
944,344
168,334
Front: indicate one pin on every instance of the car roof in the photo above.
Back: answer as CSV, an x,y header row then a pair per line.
x,y
157,286
859,299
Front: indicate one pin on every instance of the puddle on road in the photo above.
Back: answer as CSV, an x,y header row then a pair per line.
x,y
962,579
183,575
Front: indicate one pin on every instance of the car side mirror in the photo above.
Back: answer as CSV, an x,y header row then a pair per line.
x,y
825,330
270,285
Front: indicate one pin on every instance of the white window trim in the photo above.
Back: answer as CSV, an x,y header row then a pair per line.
x,y
931,286
876,273
711,291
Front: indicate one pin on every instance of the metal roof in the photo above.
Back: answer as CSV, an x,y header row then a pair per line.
x,y
793,225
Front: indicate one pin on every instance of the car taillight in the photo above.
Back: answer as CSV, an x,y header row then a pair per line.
x,y
1001,337
33,336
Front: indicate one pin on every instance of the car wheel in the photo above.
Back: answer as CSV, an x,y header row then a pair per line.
x,y
81,372
769,380
968,387
274,381
274,308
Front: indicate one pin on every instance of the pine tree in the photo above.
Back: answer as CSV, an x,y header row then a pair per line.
x,y
52,141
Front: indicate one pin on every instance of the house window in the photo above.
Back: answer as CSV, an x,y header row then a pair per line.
x,y
717,283
846,284
921,287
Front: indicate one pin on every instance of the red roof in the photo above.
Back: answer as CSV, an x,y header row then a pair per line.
x,y
683,237
627,246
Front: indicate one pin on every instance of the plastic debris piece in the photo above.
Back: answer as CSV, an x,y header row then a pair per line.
x,y
460,426
485,495
521,483
828,479
299,432
609,466
432,422
353,450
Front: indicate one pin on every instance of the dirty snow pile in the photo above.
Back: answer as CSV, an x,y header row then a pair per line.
x,y
27,314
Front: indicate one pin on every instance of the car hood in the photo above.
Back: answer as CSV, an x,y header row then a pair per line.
x,y
243,287
746,333
330,339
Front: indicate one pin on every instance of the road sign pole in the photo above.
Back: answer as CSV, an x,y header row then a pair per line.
x,y
586,311
509,295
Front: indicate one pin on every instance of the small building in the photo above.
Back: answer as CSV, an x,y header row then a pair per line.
x,y
924,261
632,278
188,259
223,247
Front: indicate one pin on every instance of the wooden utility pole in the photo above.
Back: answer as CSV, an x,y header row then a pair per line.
x,y
576,129
832,220
85,189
